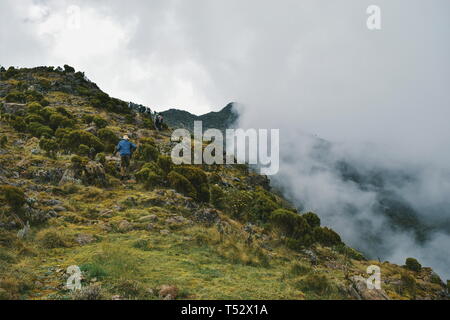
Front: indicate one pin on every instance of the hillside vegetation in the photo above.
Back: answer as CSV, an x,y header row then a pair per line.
x,y
171,231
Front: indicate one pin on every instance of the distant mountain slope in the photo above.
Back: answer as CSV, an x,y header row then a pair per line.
x,y
221,120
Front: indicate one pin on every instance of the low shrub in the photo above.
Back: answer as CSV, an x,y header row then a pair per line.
x,y
326,236
51,239
198,178
16,96
217,196
408,285
147,152
319,285
13,196
413,265
3,141
39,130
312,219
109,139
150,174
181,184
83,150
289,223
165,163
71,140
50,146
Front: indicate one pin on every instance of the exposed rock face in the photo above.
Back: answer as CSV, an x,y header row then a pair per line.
x,y
92,174
69,176
47,175
14,108
168,292
359,290
207,216
84,239
124,226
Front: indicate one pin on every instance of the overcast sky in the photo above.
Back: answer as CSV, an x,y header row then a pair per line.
x,y
299,65
312,60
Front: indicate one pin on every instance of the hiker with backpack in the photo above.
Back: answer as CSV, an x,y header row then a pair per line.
x,y
125,149
159,121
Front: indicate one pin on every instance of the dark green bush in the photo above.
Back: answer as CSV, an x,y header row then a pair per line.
x,y
83,150
57,120
165,163
33,95
50,146
16,96
238,202
312,219
214,178
100,122
217,196
11,72
35,107
148,123
39,130
198,178
262,206
349,252
3,141
109,138
290,224
413,265
88,118
34,118
181,184
68,69
14,196
19,124
73,139
78,162
63,111
326,236
150,174
147,152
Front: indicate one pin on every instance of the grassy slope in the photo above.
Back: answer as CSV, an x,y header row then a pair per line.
x,y
134,263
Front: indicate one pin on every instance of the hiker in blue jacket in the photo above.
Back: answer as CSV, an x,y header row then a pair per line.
x,y
125,149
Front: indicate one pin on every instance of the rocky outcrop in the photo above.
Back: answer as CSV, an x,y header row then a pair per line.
x,y
93,173
359,290
14,108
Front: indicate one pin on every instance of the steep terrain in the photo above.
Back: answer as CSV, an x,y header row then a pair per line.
x,y
197,232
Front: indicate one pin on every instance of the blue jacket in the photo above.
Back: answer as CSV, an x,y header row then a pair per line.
x,y
125,147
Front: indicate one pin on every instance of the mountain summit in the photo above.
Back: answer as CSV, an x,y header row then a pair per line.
x,y
221,120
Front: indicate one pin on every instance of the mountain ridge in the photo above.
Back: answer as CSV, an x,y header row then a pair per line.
x,y
170,232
